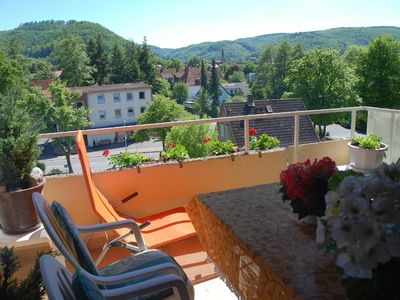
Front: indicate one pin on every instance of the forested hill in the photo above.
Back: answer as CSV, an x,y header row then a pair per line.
x,y
247,48
37,39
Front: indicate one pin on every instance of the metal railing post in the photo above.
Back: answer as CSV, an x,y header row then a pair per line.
x,y
353,122
246,136
392,137
296,138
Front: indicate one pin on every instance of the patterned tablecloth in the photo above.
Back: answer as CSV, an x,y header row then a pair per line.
x,y
253,238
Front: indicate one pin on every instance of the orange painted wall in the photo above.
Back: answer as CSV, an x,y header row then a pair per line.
x,y
166,185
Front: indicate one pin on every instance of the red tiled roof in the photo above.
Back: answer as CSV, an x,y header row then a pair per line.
x,y
43,84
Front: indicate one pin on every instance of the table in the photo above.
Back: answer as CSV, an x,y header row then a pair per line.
x,y
255,241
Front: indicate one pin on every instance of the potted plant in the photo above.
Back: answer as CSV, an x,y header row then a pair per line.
x,y
363,215
305,185
18,156
366,152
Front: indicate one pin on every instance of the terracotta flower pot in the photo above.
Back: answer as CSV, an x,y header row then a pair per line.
x,y
17,212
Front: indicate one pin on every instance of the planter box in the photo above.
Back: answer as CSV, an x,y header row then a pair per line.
x,y
365,159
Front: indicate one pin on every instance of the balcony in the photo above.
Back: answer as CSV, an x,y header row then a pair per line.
x,y
163,186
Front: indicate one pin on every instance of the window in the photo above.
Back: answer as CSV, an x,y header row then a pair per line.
x,y
131,112
142,109
117,97
79,104
117,113
141,95
102,114
101,99
269,109
129,96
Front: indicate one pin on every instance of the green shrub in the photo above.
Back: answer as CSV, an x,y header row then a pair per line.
x,y
18,141
216,147
127,159
175,151
264,142
55,171
10,288
191,137
371,141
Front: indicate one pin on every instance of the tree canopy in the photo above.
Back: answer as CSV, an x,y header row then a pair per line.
x,y
161,109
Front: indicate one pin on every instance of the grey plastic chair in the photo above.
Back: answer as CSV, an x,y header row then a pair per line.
x,y
137,267
58,283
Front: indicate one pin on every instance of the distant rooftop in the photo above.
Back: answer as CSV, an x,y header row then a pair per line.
x,y
111,87
282,128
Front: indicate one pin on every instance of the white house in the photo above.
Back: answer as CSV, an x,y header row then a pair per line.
x,y
226,90
113,105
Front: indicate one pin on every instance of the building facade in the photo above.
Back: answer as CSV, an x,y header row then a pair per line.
x,y
113,105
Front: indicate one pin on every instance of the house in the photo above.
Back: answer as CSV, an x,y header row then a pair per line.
x,y
226,90
113,105
188,75
233,89
282,128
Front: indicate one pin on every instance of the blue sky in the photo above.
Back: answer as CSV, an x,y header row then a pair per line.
x,y
177,23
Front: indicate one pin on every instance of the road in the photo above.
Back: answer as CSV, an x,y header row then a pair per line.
x,y
97,160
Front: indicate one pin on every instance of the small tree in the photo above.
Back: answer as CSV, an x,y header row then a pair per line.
x,y
214,91
180,92
203,76
161,109
191,137
202,104
237,76
63,115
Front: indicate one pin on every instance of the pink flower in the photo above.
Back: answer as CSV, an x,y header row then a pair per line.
x,y
106,152
252,131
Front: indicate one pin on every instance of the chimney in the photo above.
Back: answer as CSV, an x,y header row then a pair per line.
x,y
250,101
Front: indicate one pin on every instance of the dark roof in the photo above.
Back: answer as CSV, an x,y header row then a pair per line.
x,y
282,128
110,87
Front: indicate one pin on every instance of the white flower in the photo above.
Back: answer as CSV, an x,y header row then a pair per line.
x,y
351,268
342,232
354,206
369,258
351,185
367,232
333,203
383,208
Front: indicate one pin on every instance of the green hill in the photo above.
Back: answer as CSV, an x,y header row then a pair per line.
x,y
248,48
37,39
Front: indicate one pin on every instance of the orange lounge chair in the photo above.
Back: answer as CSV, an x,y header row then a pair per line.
x,y
164,228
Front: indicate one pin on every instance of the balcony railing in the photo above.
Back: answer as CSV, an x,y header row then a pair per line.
x,y
389,136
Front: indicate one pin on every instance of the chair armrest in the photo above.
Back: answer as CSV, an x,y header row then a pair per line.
x,y
167,268
132,225
149,286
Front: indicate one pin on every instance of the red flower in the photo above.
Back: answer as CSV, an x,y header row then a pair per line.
x,y
252,131
106,152
206,139
171,144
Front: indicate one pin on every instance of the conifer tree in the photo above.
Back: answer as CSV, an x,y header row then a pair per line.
x,y
132,67
14,50
73,61
214,91
91,52
203,76
147,64
117,70
101,61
